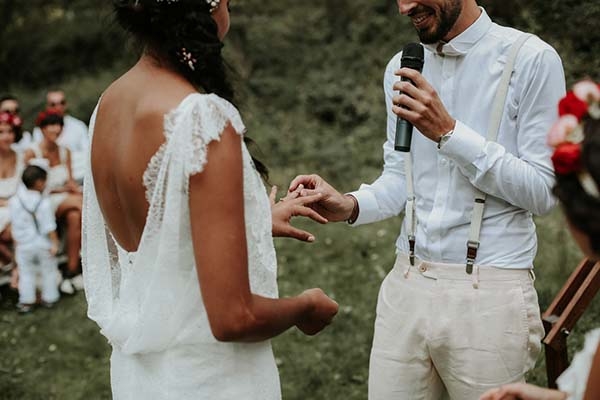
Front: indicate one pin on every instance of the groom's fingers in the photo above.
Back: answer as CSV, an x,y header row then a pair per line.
x,y
310,213
306,180
308,198
307,193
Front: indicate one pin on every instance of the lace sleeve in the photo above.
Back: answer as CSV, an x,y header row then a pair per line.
x,y
208,118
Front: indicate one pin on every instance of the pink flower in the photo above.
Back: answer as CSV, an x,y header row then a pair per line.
x,y
587,91
561,129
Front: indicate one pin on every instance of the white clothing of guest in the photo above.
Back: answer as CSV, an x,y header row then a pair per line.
x,y
8,187
32,220
515,171
58,175
75,138
148,304
575,379
25,142
446,350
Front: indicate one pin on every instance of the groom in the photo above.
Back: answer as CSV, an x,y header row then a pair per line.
x,y
444,329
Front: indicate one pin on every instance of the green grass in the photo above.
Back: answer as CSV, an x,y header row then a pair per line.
x,y
59,354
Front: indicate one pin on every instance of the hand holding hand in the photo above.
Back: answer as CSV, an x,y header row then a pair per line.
x,y
522,391
321,313
72,187
332,205
420,104
293,206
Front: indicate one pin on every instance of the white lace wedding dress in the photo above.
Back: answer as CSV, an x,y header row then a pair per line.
x,y
148,303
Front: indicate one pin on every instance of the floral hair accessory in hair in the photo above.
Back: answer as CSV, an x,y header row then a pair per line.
x,y
567,134
186,57
10,119
214,4
44,114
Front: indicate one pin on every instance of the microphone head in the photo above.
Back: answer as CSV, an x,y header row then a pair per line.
x,y
413,56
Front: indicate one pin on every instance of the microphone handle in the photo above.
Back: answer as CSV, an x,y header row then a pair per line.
x,y
404,130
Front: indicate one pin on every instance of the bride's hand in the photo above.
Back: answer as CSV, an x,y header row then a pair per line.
x,y
320,314
522,391
293,206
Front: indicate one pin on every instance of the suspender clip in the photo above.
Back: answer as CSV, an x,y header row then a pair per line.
x,y
472,247
411,253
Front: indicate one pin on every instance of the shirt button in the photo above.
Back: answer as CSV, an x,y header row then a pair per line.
x,y
444,162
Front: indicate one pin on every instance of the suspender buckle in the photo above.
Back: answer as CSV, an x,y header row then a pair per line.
x,y
472,248
411,253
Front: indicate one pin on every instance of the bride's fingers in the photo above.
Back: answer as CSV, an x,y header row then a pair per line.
x,y
293,195
273,195
299,234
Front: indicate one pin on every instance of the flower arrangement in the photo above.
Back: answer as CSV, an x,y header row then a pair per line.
x,y
567,134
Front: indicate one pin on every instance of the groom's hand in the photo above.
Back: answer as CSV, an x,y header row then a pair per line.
x,y
291,206
332,205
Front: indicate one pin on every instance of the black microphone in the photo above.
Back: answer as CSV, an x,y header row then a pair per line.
x,y
412,57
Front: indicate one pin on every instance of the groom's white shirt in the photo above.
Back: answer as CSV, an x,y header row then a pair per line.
x,y
515,172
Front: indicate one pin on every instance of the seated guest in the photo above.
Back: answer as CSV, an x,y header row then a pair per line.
x,y
65,194
576,139
36,241
11,166
10,104
74,136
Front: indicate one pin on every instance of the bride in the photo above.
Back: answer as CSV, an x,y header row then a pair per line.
x,y
179,263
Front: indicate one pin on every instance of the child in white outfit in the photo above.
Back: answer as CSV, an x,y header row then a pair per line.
x,y
36,241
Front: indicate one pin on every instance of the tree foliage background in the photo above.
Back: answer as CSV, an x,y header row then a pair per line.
x,y
308,76
311,67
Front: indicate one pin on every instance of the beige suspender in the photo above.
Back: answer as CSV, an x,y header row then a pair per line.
x,y
480,198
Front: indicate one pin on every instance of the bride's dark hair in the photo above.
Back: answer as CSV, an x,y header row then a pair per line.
x,y
170,29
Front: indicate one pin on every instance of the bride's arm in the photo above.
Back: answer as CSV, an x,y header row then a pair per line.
x,y
219,239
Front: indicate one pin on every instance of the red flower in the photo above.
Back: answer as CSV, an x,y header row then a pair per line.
x,y
567,158
573,105
42,115
8,118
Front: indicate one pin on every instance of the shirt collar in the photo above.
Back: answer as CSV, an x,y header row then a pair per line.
x,y
461,44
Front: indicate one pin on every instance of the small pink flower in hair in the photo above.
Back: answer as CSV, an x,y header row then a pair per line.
x,y
187,58
562,129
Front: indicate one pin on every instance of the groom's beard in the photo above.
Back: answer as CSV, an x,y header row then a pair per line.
x,y
436,23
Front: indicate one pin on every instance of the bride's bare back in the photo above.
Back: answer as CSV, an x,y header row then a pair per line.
x,y
128,132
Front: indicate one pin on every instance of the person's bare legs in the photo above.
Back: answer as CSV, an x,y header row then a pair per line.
x,y
69,211
6,254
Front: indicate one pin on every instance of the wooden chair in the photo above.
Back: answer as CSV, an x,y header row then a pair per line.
x,y
564,312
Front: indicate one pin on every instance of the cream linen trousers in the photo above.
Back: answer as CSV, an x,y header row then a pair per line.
x,y
443,334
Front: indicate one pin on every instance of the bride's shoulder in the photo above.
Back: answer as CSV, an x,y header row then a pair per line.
x,y
209,110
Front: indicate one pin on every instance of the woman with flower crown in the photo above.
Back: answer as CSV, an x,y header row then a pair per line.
x,y
11,166
179,264
576,140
